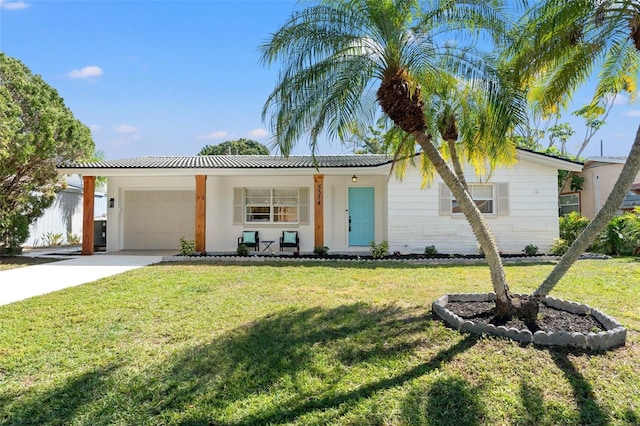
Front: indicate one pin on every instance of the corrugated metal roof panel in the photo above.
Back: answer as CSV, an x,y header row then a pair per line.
x,y
249,162
236,162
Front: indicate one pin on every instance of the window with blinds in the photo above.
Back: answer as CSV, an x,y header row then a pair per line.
x,y
490,199
271,205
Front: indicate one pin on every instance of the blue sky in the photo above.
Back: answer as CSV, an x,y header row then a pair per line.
x,y
168,77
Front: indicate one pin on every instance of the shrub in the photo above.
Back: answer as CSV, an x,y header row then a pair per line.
x,y
379,251
530,250
430,250
612,239
559,247
242,250
187,247
14,230
620,236
321,251
633,228
572,225
51,239
73,238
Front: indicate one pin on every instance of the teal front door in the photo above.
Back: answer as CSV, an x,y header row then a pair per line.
x,y
361,217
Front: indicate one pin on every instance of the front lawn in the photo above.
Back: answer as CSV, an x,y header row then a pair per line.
x,y
324,343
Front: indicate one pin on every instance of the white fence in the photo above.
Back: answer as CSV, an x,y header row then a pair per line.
x,y
64,217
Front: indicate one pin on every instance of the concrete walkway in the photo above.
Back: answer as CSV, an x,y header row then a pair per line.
x,y
23,283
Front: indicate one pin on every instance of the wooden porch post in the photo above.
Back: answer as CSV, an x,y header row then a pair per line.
x,y
318,209
201,213
87,214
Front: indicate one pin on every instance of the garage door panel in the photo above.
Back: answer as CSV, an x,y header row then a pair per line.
x,y
158,219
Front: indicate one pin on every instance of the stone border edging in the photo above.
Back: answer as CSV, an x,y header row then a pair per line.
x,y
614,336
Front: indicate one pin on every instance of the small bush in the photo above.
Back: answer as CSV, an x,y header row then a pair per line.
x,y
559,247
242,250
530,250
430,250
51,239
73,238
379,251
321,251
14,230
621,236
571,226
187,247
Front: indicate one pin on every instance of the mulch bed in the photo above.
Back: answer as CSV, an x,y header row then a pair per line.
x,y
343,256
20,260
549,319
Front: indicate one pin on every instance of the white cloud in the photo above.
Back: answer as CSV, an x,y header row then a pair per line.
x,y
13,5
633,113
214,135
125,128
258,133
620,100
86,72
94,128
124,141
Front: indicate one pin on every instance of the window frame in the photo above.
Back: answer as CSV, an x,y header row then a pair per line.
x,y
499,193
569,194
275,200
477,199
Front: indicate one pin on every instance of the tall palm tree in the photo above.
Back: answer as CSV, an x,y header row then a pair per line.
x,y
342,59
563,44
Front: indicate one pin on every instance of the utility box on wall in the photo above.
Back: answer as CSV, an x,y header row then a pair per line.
x,y
100,234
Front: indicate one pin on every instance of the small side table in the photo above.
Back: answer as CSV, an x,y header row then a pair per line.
x,y
267,245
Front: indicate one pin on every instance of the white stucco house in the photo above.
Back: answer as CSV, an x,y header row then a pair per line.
x,y
600,175
343,202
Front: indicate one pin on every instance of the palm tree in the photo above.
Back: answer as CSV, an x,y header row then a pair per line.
x,y
341,59
563,44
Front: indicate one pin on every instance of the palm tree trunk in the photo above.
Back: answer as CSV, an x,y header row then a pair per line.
x,y
457,165
608,211
481,230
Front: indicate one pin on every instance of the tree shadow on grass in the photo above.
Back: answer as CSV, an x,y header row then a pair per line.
x,y
532,403
61,405
589,411
301,356
286,367
447,401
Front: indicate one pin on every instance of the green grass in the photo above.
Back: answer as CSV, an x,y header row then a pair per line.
x,y
307,344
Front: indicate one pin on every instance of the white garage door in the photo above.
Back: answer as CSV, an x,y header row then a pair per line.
x,y
155,220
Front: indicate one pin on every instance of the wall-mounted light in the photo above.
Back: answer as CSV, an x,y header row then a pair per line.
x,y
354,178
112,202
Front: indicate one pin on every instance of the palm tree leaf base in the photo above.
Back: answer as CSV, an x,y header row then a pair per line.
x,y
402,104
605,332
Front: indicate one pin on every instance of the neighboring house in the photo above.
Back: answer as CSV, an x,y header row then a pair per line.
x,y
600,175
343,202
64,216
632,200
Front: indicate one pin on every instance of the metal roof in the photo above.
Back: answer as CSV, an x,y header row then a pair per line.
x,y
631,200
235,162
250,162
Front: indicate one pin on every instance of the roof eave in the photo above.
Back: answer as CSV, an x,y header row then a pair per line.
x,y
549,161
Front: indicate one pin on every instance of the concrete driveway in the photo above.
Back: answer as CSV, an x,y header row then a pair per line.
x,y
23,283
